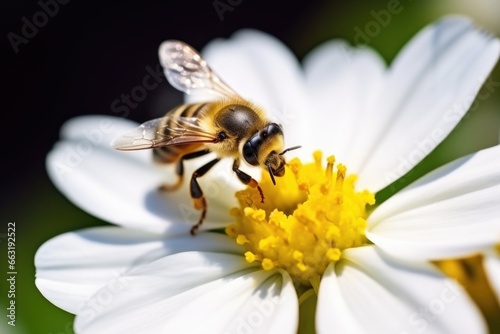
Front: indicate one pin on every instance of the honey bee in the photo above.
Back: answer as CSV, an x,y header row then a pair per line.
x,y
230,126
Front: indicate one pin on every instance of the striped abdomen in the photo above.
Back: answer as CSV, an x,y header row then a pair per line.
x,y
172,153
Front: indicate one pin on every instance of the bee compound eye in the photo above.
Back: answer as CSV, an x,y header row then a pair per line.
x,y
274,129
249,154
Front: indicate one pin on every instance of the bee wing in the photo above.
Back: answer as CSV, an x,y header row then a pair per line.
x,y
188,72
163,131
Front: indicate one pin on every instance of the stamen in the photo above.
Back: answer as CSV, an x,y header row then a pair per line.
x,y
309,218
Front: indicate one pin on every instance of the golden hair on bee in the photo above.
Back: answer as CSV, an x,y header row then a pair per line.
x,y
235,120
229,126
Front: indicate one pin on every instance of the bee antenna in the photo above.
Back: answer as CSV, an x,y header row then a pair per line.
x,y
289,149
271,173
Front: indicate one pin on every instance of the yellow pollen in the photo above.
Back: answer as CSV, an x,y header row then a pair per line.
x,y
250,257
306,221
267,264
241,239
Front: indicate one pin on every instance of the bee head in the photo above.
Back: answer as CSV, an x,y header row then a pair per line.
x,y
275,164
262,150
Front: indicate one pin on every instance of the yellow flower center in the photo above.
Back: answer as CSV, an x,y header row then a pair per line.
x,y
306,221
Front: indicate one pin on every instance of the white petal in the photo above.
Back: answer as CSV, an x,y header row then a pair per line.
x,y
195,292
450,212
260,68
492,269
73,266
430,86
342,82
98,130
121,187
369,293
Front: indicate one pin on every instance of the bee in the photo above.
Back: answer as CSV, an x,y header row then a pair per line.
x,y
230,127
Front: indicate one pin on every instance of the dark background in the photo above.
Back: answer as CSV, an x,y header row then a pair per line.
x,y
90,53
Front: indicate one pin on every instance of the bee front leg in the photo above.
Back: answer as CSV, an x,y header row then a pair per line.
x,y
199,201
247,179
179,170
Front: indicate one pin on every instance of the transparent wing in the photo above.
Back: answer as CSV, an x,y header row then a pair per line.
x,y
163,131
188,72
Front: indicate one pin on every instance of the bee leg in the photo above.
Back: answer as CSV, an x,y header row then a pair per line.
x,y
247,179
199,201
179,170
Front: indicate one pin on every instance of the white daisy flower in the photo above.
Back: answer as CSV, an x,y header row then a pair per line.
x,y
370,271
